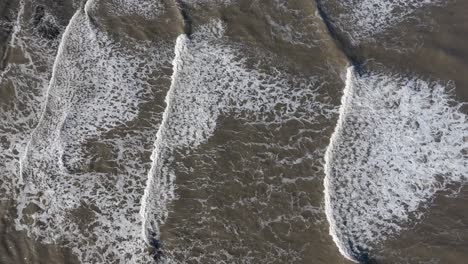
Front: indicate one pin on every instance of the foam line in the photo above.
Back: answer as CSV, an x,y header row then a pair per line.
x,y
150,203
328,191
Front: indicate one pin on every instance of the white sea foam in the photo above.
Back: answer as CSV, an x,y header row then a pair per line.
x,y
215,2
96,86
398,141
366,18
211,78
144,8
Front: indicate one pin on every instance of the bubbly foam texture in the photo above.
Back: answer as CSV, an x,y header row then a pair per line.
x,y
191,2
366,18
399,141
145,8
197,3
97,86
211,78
299,29
24,81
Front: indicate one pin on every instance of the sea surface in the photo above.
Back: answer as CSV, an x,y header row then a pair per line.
x,y
233,131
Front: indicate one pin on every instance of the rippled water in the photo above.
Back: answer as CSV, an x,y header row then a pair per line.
x,y
209,131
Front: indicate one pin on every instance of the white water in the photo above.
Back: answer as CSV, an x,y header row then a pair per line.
x,y
209,79
151,190
399,140
345,102
147,9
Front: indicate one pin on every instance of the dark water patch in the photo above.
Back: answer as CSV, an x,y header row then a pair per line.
x,y
184,10
156,251
341,42
46,29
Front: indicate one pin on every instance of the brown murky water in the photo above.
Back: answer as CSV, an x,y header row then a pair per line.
x,y
265,78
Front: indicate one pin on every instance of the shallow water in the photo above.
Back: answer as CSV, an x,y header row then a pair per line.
x,y
233,131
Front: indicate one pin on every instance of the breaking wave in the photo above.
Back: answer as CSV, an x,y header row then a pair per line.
x,y
210,78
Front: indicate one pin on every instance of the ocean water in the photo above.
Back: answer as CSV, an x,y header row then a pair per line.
x,y
211,131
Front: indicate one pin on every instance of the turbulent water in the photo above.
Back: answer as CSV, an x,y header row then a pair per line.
x,y
198,96
208,131
211,79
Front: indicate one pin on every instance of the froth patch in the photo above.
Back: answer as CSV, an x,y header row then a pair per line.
x,y
143,8
399,141
211,1
364,19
